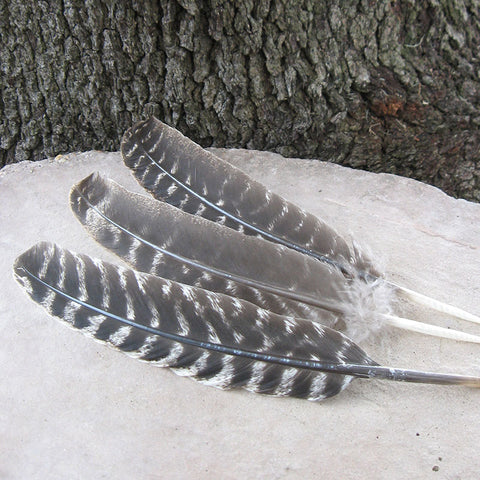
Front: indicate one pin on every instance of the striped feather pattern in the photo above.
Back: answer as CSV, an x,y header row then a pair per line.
x,y
231,322
127,310
180,172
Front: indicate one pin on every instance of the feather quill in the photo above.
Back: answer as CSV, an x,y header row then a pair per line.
x,y
157,238
213,338
175,169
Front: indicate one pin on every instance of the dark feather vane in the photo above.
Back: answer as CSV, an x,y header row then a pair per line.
x,y
156,238
130,310
178,171
213,338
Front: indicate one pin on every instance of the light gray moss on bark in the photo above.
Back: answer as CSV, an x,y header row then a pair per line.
x,y
384,86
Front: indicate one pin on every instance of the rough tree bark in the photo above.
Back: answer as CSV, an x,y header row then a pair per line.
x,y
385,86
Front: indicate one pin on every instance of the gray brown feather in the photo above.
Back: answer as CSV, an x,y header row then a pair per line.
x,y
180,172
156,238
189,312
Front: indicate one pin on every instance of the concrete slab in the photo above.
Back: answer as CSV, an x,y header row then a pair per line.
x,y
72,408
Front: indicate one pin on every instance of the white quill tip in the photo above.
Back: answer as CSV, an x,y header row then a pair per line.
x,y
428,329
437,305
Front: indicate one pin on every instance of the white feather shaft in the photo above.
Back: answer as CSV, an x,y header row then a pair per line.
x,y
428,329
437,305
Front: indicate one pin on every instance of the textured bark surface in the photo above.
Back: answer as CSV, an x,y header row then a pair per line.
x,y
383,86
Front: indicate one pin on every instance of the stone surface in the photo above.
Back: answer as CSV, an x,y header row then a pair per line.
x,y
73,408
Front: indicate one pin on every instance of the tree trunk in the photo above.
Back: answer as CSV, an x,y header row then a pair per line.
x,y
384,86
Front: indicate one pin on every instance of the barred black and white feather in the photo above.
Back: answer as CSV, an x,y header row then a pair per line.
x,y
213,338
151,304
178,171
156,238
